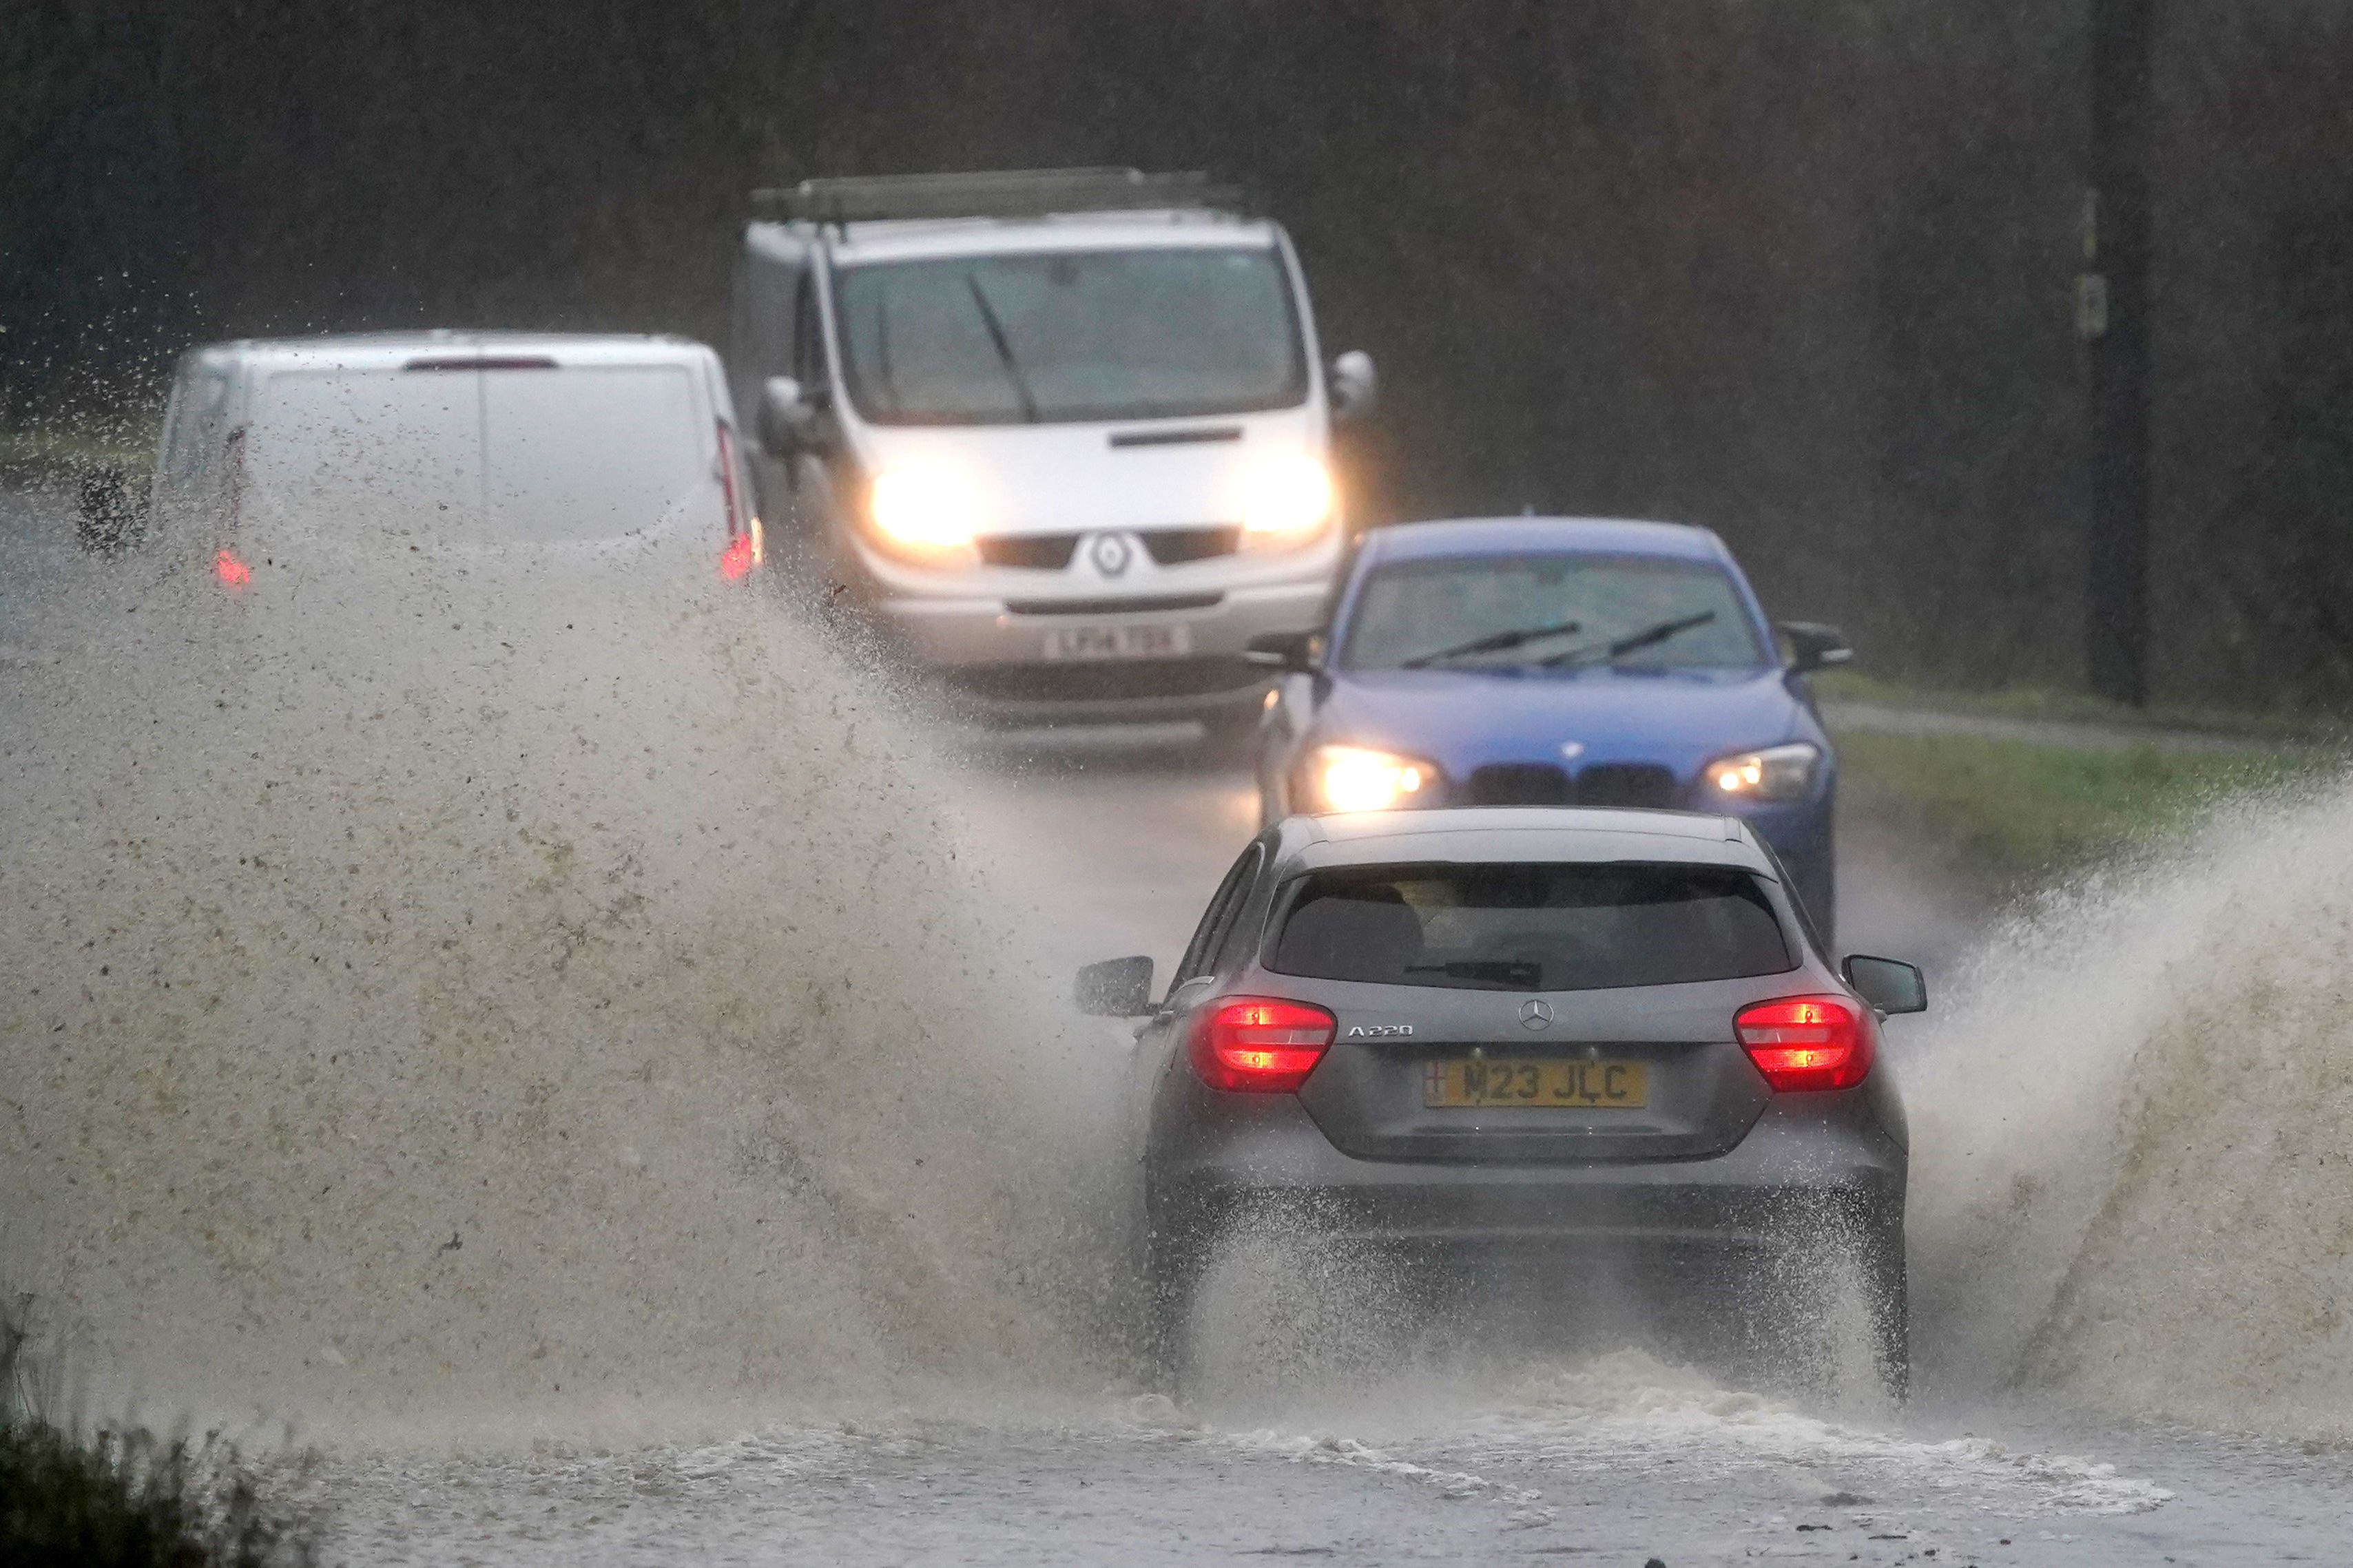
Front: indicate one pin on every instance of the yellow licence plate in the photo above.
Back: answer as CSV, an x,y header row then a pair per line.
x,y
1487,1081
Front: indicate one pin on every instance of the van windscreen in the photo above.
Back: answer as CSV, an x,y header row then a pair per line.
x,y
1523,927
1069,335
535,456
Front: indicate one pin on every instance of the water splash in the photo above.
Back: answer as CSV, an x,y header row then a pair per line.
x,y
481,987
2131,1188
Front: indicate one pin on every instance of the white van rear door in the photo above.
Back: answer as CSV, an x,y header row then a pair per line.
x,y
351,452
593,452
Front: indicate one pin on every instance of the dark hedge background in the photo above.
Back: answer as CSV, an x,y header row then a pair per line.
x,y
1800,269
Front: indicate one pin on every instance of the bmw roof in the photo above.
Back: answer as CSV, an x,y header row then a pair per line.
x,y
1544,535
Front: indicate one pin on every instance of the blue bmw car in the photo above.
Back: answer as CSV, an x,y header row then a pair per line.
x,y
1556,661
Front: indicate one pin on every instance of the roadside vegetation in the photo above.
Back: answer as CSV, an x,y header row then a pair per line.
x,y
2285,727
111,1497
2002,817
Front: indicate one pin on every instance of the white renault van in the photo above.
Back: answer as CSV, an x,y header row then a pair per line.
x,y
575,443
1064,435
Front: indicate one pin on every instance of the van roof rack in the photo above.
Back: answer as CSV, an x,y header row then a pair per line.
x,y
1009,193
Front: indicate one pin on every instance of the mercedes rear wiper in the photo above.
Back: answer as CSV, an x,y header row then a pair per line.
x,y
1493,642
1004,348
1649,636
1514,973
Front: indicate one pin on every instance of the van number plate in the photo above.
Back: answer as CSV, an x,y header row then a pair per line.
x,y
1171,640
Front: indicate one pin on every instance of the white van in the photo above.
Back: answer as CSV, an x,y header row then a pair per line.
x,y
1065,436
499,441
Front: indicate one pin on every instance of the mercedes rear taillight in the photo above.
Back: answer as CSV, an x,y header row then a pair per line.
x,y
1259,1044
1808,1042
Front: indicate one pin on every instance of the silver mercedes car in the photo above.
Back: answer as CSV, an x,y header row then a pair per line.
x,y
1553,1037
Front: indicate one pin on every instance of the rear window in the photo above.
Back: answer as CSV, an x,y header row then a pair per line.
x,y
1531,927
501,455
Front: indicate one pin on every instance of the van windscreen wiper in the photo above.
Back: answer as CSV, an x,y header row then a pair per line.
x,y
1633,642
1493,642
1004,348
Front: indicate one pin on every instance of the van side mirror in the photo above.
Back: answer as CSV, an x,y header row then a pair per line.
x,y
1813,645
1887,984
1115,988
1299,653
787,418
1356,386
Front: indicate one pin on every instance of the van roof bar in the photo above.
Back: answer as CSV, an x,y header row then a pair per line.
x,y
1009,193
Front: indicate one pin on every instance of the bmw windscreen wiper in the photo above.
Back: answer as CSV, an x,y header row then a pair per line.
x,y
1004,348
1493,642
1633,642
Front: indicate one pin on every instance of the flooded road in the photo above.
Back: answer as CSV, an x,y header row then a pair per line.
x,y
1614,1457
514,1054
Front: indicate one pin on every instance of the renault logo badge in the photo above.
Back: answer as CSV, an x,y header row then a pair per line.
x,y
1535,1013
1110,554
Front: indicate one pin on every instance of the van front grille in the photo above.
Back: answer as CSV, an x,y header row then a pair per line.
x,y
1039,552
1167,546
1175,546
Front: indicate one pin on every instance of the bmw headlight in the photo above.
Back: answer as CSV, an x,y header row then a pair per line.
x,y
1776,773
1288,501
1356,778
924,511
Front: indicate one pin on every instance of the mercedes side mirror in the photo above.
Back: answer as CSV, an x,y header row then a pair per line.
x,y
1887,984
1115,988
110,514
1356,386
1298,653
1813,647
787,418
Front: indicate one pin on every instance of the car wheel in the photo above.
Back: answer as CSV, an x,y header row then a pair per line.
x,y
1174,1279
1888,1302
1829,1316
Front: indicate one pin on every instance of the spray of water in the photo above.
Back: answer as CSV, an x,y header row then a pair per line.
x,y
2131,1185
442,985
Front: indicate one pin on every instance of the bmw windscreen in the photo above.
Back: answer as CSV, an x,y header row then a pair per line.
x,y
1070,336
1634,612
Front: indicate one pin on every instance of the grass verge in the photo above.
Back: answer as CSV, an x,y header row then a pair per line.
x,y
2004,816
124,1496
2083,707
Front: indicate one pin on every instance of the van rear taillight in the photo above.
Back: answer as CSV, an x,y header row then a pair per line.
x,y
1808,1042
1259,1044
736,559
743,552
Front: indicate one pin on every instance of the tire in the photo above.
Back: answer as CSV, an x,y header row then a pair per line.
x,y
1830,1316
1889,1304
1173,1276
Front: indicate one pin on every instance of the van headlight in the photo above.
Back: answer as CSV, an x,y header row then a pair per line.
x,y
924,511
1357,778
1776,773
1287,502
